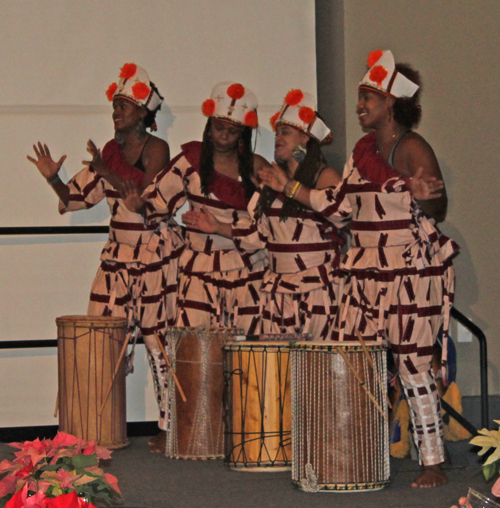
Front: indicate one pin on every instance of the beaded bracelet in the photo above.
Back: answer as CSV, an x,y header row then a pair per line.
x,y
53,180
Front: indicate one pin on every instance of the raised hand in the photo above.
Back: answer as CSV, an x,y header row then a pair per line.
x,y
274,177
97,163
425,188
201,220
44,162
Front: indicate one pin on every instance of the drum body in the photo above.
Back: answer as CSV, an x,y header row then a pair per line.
x,y
196,427
340,438
258,406
88,351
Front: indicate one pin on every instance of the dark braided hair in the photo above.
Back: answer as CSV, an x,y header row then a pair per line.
x,y
245,160
406,110
307,174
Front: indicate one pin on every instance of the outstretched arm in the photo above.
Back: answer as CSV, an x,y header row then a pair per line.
x,y
203,220
49,169
416,159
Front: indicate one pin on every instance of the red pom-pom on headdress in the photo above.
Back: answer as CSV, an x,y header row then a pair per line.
x,y
111,91
294,97
251,119
236,91
378,74
141,90
128,70
307,114
273,119
374,57
208,107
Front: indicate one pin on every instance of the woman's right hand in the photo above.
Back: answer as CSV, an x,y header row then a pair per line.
x,y
274,177
131,196
44,162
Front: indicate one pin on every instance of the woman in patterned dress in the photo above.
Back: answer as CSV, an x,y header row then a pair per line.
x,y
399,276
137,277
300,289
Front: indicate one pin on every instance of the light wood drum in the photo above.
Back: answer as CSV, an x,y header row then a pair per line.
x,y
258,406
340,435
196,427
88,352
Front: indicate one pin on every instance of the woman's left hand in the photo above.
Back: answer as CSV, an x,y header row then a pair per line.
x,y
201,220
97,163
425,188
274,177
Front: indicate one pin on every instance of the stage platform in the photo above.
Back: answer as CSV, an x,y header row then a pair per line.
x,y
153,481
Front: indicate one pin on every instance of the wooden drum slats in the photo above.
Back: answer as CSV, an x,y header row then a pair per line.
x,y
258,406
88,352
339,436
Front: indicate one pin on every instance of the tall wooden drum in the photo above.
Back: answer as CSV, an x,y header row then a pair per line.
x,y
196,427
258,404
88,351
340,435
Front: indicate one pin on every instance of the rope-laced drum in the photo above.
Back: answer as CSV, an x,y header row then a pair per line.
x,y
258,403
196,427
340,436
91,397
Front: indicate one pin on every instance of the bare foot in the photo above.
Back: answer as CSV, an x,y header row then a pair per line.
x,y
431,476
158,443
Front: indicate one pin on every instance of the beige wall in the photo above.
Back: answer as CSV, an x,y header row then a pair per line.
x,y
57,58
455,45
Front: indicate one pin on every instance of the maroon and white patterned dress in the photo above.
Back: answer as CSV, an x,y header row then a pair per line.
x,y
218,286
300,289
399,283
137,278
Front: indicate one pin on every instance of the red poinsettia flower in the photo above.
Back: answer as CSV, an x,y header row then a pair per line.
x,y
251,119
111,91
306,114
113,481
70,500
236,91
374,57
208,107
273,119
378,74
128,70
294,97
63,440
140,91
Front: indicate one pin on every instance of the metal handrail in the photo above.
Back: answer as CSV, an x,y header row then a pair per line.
x,y
53,230
483,361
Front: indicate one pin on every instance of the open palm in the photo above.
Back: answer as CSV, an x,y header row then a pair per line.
x,y
44,162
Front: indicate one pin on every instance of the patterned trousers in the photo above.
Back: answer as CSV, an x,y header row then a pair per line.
x,y
407,313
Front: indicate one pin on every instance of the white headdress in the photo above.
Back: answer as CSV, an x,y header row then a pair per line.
x,y
383,77
233,102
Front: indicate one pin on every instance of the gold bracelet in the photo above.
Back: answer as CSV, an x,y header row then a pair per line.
x,y
292,192
295,190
